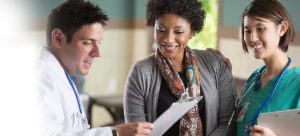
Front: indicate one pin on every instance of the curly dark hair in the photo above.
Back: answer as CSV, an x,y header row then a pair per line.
x,y
71,15
192,10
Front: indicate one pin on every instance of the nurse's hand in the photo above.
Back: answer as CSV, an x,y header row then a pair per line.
x,y
134,129
261,131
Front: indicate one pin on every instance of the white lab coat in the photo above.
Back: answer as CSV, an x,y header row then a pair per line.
x,y
58,101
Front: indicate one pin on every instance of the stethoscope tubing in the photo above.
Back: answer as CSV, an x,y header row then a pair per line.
x,y
257,75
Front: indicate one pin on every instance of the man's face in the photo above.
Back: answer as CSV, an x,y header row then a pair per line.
x,y
78,55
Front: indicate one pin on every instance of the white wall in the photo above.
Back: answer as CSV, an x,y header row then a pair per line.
x,y
244,64
121,47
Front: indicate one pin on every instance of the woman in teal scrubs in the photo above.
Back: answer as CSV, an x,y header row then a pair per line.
x,y
267,30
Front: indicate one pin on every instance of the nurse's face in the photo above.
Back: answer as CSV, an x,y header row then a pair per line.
x,y
262,36
172,34
78,55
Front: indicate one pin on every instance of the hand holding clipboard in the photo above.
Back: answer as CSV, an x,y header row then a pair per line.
x,y
282,123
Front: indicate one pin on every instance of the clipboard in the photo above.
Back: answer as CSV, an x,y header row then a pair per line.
x,y
282,123
172,115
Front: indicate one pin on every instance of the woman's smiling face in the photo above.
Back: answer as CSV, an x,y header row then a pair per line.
x,y
262,36
172,33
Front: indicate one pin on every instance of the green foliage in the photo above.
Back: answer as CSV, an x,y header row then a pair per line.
x,y
207,38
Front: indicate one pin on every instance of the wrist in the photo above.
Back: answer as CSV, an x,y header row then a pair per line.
x,y
114,131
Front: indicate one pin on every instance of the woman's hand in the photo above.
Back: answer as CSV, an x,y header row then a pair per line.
x,y
261,131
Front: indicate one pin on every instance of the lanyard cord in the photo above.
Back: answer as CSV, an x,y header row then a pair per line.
x,y
265,103
74,90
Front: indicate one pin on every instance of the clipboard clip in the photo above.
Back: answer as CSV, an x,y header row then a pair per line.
x,y
185,97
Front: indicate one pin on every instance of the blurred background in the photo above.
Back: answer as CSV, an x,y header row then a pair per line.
x,y
127,39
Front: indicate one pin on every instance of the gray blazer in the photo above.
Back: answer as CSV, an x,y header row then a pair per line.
x,y
144,81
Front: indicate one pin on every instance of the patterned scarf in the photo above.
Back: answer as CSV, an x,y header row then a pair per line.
x,y
190,123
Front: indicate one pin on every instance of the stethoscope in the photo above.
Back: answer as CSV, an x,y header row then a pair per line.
x,y
257,76
77,117
238,100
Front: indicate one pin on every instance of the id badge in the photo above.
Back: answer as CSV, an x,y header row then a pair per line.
x,y
243,112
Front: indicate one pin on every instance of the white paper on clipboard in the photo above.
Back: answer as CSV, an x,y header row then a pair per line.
x,y
282,123
172,115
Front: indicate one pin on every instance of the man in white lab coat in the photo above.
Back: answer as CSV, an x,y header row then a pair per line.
x,y
74,34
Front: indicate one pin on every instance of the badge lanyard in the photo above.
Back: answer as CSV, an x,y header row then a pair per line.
x,y
82,118
75,91
251,123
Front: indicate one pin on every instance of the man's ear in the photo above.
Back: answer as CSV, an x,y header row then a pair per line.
x,y
284,25
58,38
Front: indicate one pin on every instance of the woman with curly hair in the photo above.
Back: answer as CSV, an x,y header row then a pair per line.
x,y
160,79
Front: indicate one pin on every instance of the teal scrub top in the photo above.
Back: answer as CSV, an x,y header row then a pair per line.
x,y
287,96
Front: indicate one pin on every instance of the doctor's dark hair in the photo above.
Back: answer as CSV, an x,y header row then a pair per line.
x,y
71,15
274,11
191,10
